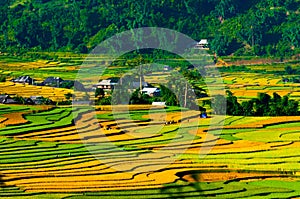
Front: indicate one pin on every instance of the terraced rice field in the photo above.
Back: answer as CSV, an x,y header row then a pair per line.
x,y
46,156
150,152
26,91
14,66
248,85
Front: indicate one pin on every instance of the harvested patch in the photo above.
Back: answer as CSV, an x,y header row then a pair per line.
x,y
14,118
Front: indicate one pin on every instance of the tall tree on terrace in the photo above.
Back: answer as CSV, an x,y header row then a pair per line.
x,y
4,23
225,9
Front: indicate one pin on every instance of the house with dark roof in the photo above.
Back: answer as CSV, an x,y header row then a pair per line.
x,y
23,79
29,101
107,84
6,99
53,81
39,100
167,68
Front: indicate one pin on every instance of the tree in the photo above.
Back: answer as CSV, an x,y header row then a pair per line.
x,y
291,5
68,96
233,107
261,104
291,35
219,105
79,25
253,27
82,48
289,107
225,8
283,49
104,101
247,107
19,99
289,70
99,93
140,98
220,44
168,96
2,78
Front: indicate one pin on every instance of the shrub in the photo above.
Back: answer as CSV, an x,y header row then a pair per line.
x,y
2,78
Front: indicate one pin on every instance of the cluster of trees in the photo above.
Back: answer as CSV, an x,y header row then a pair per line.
x,y
295,79
43,100
2,78
243,27
172,96
181,89
263,105
290,71
40,100
264,28
293,74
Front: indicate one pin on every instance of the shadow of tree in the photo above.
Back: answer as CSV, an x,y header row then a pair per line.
x,y
1,182
191,189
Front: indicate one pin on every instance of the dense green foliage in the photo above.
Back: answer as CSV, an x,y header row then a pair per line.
x,y
245,27
263,105
2,78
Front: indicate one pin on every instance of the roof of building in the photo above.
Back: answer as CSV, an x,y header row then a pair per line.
x,y
3,98
35,97
150,90
10,101
106,82
25,78
159,103
53,80
203,41
6,99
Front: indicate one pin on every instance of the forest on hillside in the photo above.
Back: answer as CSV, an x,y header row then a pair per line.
x,y
252,27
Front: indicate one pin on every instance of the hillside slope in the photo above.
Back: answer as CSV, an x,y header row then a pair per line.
x,y
252,27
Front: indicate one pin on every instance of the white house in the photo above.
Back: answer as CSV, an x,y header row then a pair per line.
x,y
203,43
151,91
167,68
159,103
106,84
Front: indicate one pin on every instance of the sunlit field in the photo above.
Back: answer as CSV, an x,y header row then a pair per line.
x,y
45,155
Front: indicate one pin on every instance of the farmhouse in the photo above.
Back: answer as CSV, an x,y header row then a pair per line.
x,y
110,83
38,100
203,43
107,84
159,103
153,92
29,101
167,68
23,80
52,81
6,99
